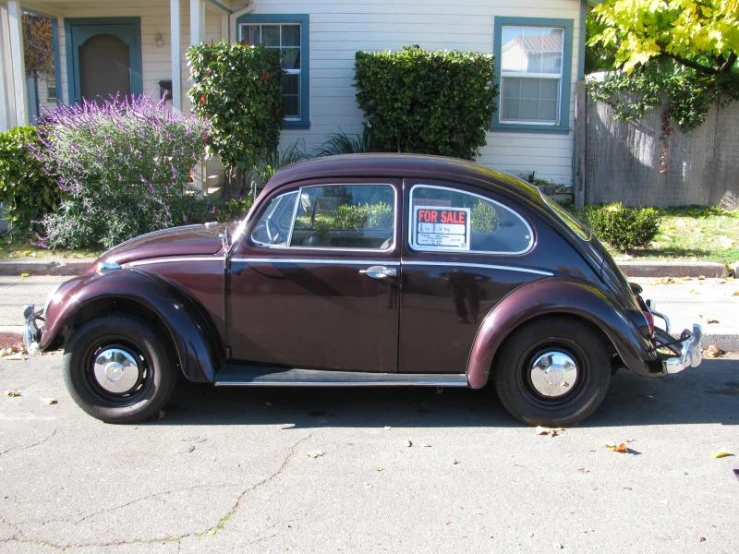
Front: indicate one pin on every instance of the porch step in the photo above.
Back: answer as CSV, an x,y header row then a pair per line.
x,y
239,376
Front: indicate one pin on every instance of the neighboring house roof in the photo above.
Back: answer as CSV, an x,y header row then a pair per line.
x,y
537,45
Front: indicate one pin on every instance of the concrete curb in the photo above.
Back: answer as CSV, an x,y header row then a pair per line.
x,y
43,267
674,269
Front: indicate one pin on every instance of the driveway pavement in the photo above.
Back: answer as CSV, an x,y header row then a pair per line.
x,y
269,470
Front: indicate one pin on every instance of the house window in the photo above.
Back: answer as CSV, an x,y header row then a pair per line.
x,y
51,90
289,35
533,60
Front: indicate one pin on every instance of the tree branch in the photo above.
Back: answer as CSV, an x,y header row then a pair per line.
x,y
693,65
727,65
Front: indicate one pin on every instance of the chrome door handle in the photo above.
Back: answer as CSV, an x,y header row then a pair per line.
x,y
379,272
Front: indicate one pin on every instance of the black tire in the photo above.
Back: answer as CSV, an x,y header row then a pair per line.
x,y
154,371
512,373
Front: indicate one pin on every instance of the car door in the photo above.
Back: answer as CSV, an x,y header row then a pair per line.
x,y
314,283
464,250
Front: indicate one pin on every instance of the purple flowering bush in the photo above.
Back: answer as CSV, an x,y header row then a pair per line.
x,y
123,166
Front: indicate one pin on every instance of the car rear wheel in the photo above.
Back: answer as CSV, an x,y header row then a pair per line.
x,y
552,372
118,368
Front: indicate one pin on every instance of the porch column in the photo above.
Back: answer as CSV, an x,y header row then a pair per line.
x,y
18,66
197,22
175,28
4,74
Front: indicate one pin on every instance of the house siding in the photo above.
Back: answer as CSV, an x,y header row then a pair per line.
x,y
339,29
154,15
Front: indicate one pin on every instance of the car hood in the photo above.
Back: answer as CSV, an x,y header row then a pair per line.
x,y
189,240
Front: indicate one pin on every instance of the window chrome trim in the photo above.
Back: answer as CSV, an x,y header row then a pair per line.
x,y
317,261
173,259
480,266
416,248
396,222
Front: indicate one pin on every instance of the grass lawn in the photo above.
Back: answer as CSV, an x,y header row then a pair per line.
x,y
697,234
24,249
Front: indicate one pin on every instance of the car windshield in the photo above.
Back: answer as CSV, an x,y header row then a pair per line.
x,y
578,228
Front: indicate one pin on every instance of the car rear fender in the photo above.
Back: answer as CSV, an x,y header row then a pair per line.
x,y
557,296
187,324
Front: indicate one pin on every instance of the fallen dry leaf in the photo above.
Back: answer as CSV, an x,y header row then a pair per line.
x,y
12,393
701,277
713,351
315,453
583,470
379,469
721,454
408,443
711,320
25,274
49,401
735,293
426,445
621,447
547,431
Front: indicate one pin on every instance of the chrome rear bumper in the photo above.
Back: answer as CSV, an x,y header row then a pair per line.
x,y
31,332
690,352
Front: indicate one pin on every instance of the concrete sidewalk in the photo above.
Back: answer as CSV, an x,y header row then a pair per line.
x,y
713,303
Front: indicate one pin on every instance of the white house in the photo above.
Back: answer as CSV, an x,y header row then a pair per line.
x,y
135,46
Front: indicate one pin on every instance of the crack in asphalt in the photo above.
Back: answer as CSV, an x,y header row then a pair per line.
x,y
211,531
26,447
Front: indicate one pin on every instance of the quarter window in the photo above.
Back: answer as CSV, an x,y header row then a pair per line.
x,y
446,220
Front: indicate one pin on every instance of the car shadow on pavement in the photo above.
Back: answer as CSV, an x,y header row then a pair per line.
x,y
708,394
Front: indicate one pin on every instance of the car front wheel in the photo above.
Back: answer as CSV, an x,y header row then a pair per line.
x,y
552,372
118,368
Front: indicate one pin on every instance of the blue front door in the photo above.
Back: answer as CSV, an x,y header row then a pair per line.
x,y
104,58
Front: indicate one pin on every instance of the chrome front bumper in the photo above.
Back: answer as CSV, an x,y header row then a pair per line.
x,y
690,352
31,332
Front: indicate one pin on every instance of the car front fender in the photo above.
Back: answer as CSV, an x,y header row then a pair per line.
x,y
557,296
187,324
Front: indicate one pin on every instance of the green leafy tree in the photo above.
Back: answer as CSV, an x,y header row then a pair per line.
x,y
236,87
681,51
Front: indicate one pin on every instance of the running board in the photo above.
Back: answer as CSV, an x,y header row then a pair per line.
x,y
271,377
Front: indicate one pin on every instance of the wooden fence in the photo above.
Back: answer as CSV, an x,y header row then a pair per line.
x,y
630,161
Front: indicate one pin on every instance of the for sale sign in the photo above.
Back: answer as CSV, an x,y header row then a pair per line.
x,y
438,228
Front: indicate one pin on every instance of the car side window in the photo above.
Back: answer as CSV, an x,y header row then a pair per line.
x,y
352,216
448,220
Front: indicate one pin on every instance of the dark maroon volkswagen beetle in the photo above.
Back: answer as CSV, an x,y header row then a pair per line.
x,y
363,270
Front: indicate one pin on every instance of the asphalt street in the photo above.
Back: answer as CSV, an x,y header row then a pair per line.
x,y
276,470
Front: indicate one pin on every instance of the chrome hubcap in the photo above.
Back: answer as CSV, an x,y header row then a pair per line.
x,y
553,373
117,370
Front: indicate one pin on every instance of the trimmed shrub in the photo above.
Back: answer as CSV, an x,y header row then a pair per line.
x,y
233,209
621,227
26,192
124,167
236,88
426,102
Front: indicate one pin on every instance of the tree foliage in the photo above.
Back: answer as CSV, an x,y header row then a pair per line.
x,y
236,88
679,51
38,49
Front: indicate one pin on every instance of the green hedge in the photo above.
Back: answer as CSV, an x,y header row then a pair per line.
x,y
237,89
25,190
415,100
621,227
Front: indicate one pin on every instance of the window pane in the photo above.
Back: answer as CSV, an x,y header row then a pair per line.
x,y
534,100
273,227
291,35
291,58
250,34
447,220
345,216
291,106
532,49
271,35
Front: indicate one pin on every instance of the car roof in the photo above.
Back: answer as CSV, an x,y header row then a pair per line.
x,y
403,165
